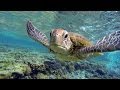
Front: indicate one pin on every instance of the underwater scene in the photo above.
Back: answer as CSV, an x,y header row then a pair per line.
x,y
59,44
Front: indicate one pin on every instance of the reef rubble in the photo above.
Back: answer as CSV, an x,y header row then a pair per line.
x,y
53,70
23,64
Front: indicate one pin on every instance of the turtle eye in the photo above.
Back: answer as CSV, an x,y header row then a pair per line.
x,y
50,34
66,36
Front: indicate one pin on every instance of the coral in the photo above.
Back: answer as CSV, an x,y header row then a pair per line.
x,y
42,76
25,64
11,69
53,70
48,69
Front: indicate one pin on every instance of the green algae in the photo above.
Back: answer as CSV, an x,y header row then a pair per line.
x,y
7,68
21,63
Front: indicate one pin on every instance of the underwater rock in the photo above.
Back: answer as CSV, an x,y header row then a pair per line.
x,y
42,76
14,70
78,70
53,70
18,56
52,77
92,71
70,67
37,68
46,70
101,72
81,66
86,65
53,67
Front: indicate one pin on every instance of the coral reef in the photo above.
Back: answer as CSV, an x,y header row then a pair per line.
x,y
53,70
23,64
9,69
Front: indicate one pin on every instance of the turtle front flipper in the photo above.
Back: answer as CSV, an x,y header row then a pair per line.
x,y
35,34
106,44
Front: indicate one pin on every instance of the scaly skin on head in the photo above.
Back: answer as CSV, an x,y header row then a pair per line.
x,y
60,41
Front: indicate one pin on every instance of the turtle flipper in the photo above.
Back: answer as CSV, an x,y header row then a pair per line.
x,y
106,44
37,35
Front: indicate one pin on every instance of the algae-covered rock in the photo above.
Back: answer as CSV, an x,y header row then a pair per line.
x,y
53,70
42,76
47,70
9,69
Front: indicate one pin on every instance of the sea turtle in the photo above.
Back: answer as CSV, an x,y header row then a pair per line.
x,y
72,46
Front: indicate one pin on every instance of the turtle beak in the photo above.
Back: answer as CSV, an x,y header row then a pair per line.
x,y
62,47
56,40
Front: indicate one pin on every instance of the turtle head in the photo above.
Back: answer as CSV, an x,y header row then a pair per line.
x,y
60,41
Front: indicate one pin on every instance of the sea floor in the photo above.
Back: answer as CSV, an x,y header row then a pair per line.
x,y
22,63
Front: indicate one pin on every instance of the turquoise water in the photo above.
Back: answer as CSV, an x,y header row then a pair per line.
x,y
92,24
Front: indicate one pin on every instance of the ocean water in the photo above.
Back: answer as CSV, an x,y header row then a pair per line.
x,y
91,24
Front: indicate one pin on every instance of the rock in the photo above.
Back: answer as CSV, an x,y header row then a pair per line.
x,y
47,70
101,72
37,68
52,77
42,76
11,69
70,67
77,66
53,65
